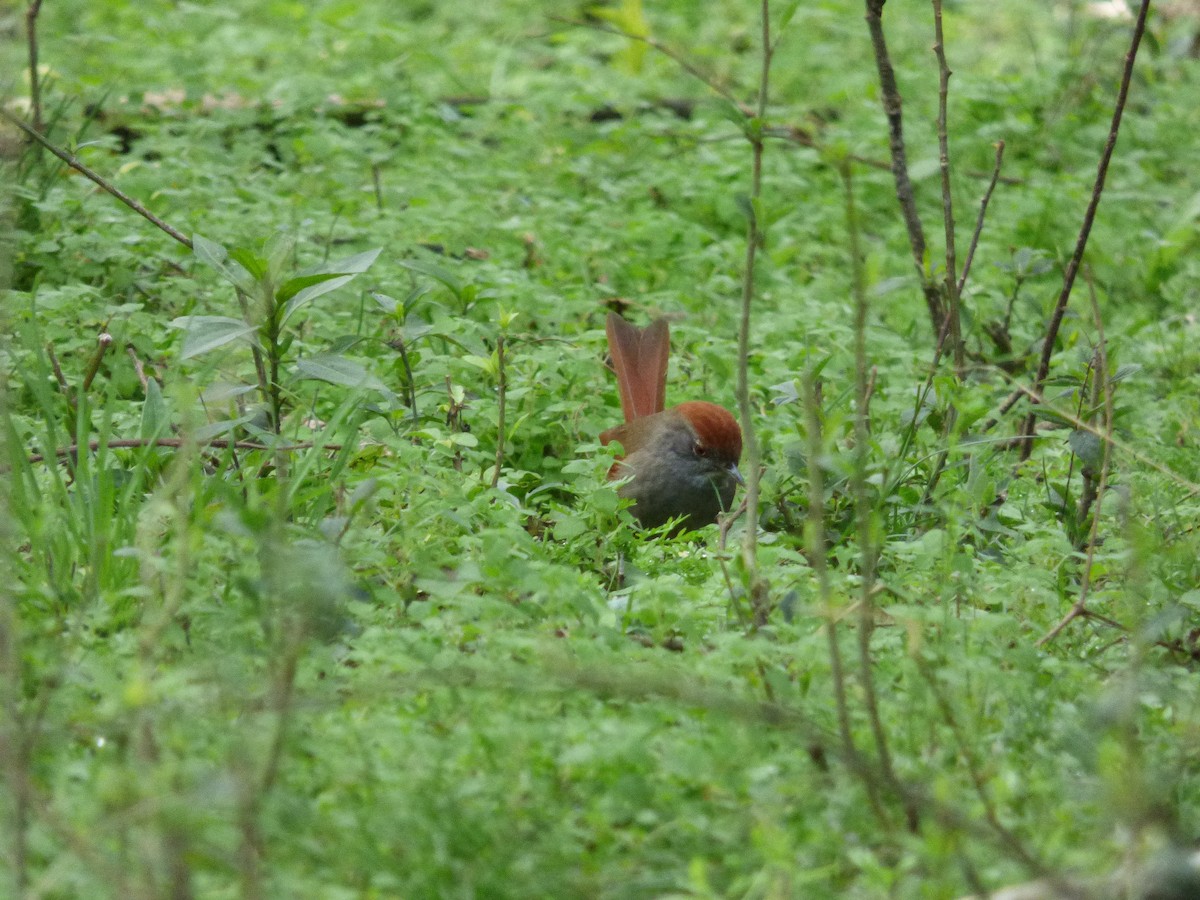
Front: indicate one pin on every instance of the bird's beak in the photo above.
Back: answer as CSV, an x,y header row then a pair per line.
x,y
736,475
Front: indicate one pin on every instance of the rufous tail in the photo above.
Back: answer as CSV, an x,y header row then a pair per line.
x,y
639,359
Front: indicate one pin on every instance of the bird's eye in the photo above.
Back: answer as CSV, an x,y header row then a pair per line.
x,y
700,450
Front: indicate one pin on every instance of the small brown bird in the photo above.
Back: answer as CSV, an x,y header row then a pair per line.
x,y
684,460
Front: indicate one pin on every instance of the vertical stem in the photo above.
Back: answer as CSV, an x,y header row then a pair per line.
x,y
37,137
814,539
500,403
983,205
952,294
274,313
745,411
904,191
864,511
35,85
1085,229
15,740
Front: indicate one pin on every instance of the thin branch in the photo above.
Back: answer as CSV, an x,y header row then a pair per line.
x,y
502,389
104,183
983,205
1085,229
176,443
974,766
952,296
59,377
864,511
103,342
754,237
890,94
1101,372
35,84
143,380
816,549
1130,450
674,55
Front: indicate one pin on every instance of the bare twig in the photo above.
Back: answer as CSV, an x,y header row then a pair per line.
x,y
1101,373
816,549
411,385
59,377
502,389
1085,229
103,182
138,367
103,342
35,84
1128,449
974,766
952,296
667,51
176,443
864,509
890,93
983,205
754,236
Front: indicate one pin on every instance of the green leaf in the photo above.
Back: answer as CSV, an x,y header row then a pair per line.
x,y
1125,371
294,286
218,429
1088,447
308,294
256,265
1050,415
351,265
341,370
785,17
217,258
155,412
306,287
436,272
204,333
278,250
388,304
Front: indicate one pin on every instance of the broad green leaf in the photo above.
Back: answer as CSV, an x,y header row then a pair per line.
x,y
293,286
351,265
446,277
1050,415
307,286
388,304
155,412
1088,447
222,392
253,263
218,429
310,293
278,250
1125,371
339,370
217,257
785,18
204,333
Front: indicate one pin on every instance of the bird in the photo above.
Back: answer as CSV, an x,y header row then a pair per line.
x,y
682,462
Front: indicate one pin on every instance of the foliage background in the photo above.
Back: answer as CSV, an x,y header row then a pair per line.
x,y
368,672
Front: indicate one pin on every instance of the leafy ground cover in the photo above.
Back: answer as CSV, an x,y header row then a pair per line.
x,y
275,624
